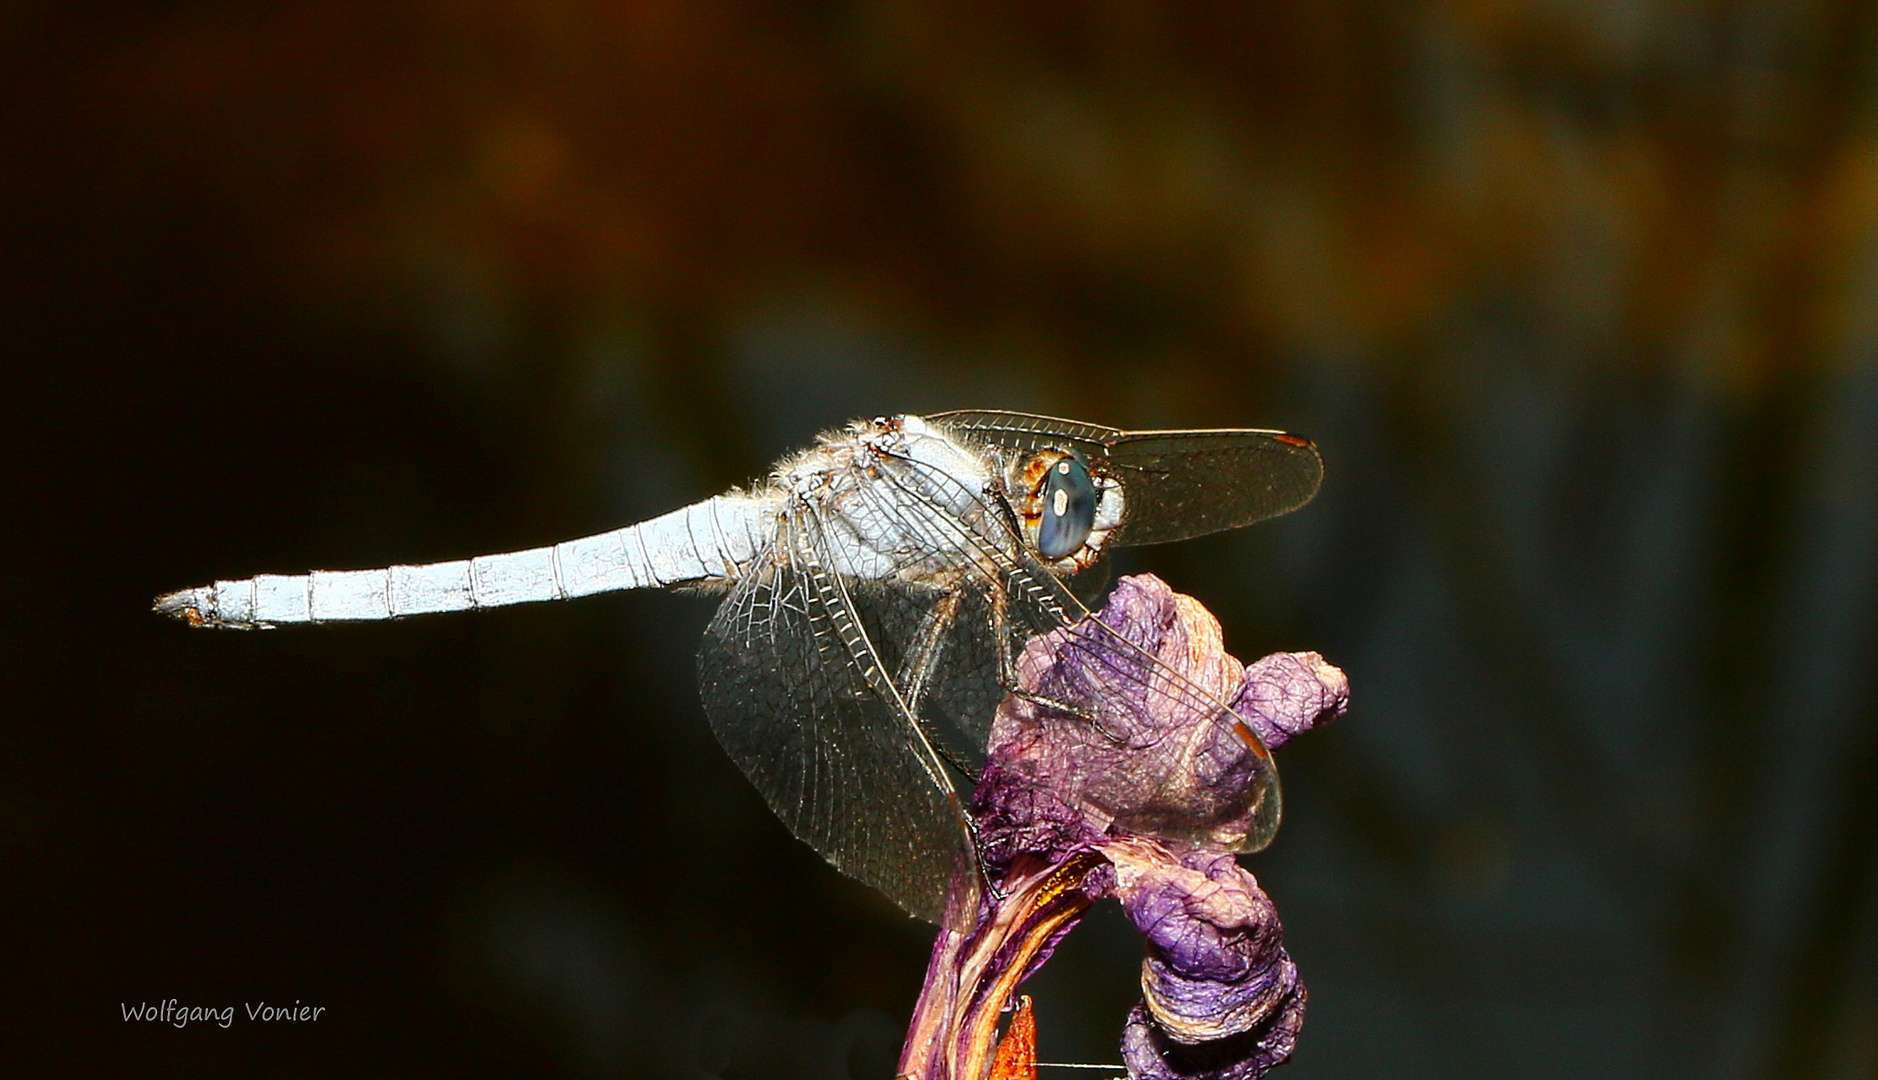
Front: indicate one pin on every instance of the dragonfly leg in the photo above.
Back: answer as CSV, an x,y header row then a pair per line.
x,y
914,676
1067,709
1007,675
998,895
923,652
952,759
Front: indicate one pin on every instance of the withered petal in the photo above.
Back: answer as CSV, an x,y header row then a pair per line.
x,y
1067,811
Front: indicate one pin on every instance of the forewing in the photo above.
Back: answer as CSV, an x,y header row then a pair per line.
x,y
1175,484
1124,676
1027,433
954,667
1121,683
1025,600
803,703
1179,484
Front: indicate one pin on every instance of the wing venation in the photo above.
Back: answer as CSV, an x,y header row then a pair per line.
x,y
801,702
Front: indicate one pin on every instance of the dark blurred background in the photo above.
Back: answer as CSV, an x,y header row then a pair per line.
x,y
1580,300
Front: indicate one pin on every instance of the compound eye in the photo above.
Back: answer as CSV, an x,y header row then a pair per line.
x,y
1069,508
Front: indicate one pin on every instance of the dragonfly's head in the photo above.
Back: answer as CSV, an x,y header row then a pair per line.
x,y
1069,508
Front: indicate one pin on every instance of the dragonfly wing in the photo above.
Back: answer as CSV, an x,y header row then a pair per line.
x,y
1175,484
1179,484
952,642
805,704
1027,433
1121,685
1024,600
942,646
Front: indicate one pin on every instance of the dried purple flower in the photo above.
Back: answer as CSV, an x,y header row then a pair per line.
x,y
1220,996
1146,805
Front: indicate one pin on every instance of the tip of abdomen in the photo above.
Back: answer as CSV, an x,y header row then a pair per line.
x,y
193,606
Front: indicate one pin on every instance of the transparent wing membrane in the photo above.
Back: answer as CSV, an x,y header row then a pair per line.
x,y
1124,675
1026,433
943,650
801,700
1181,484
1032,601
843,699
1178,484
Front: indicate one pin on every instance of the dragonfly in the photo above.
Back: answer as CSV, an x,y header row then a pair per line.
x,y
879,589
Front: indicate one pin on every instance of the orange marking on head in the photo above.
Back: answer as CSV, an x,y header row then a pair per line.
x,y
1035,469
1292,439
